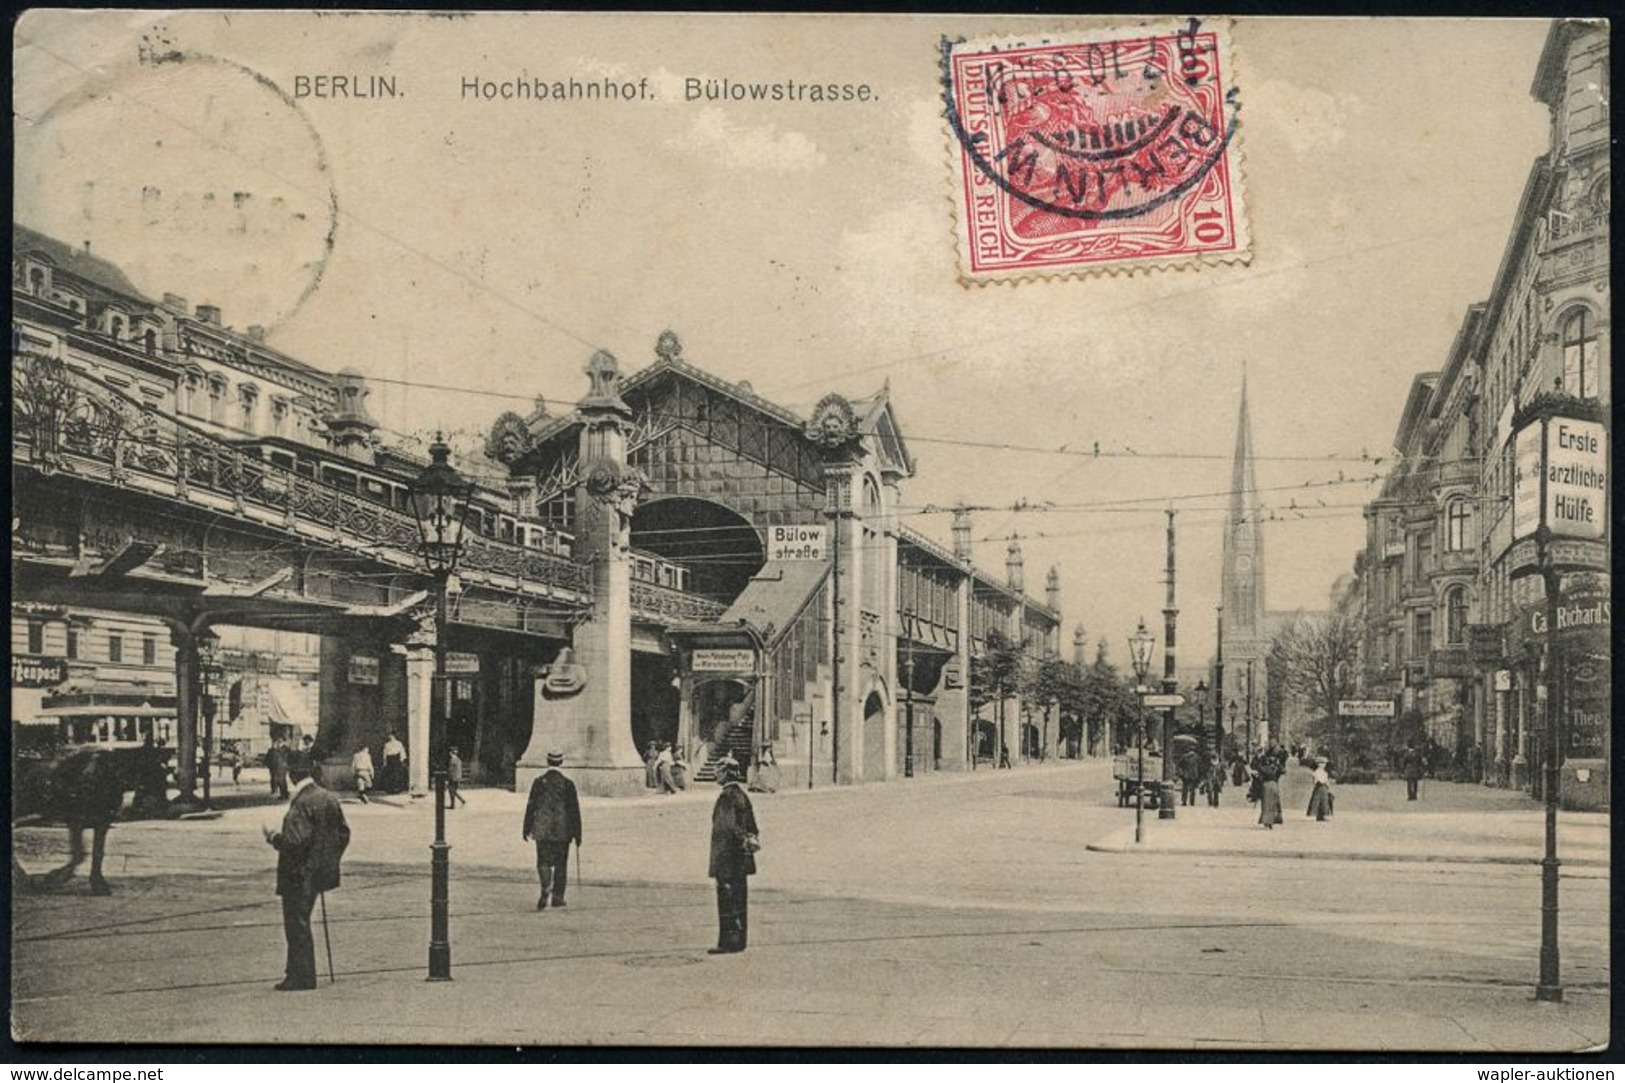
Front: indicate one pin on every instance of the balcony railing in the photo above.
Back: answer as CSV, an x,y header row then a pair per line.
x,y
67,420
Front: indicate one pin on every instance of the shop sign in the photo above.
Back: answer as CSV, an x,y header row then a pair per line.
x,y
1365,708
795,543
742,660
1450,662
1484,640
363,669
1560,478
461,662
953,676
37,671
1503,680
1526,481
1588,610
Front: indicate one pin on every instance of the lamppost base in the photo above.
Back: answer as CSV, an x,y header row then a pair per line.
x,y
1165,802
1552,994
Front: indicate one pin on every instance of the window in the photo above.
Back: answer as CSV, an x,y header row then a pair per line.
x,y
217,399
73,642
1458,526
1455,617
149,340
1422,641
1580,355
36,637
149,650
1424,557
248,397
115,648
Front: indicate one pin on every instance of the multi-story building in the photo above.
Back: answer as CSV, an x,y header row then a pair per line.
x,y
1455,624
84,675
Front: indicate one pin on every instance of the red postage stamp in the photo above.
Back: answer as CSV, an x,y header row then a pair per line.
x,y
1100,152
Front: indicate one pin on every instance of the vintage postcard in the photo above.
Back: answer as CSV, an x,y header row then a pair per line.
x,y
710,530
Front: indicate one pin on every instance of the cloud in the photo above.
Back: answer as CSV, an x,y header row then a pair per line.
x,y
760,147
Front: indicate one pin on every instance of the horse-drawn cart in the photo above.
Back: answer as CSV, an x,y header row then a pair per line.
x,y
1126,769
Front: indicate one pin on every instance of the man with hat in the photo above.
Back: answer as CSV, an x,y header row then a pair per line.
x,y
313,838
734,843
553,819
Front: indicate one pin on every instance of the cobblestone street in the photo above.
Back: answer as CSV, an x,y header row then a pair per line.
x,y
958,910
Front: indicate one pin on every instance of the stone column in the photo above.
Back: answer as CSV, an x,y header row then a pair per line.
x,y
953,704
186,711
589,719
419,711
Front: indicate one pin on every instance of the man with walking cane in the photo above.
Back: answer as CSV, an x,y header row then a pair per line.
x,y
309,847
553,819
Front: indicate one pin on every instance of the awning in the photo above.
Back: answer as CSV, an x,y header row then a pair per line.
x,y
776,595
106,710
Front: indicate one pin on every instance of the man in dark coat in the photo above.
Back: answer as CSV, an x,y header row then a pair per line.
x,y
733,856
1189,770
309,846
276,760
553,819
1415,767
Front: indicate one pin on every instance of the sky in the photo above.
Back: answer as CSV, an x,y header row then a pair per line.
x,y
491,246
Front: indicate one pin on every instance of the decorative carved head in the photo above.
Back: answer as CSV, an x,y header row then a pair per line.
x,y
834,424
669,347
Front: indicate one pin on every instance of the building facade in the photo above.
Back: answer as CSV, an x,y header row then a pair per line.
x,y
1454,618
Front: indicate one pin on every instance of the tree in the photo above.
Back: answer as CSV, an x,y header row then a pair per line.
x,y
994,674
1316,657
1052,684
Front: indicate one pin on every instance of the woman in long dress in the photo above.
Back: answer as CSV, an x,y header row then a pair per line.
x,y
1320,799
1269,791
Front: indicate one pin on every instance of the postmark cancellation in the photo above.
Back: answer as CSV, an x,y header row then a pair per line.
x,y
1091,153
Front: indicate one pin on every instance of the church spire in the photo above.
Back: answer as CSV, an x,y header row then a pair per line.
x,y
1243,574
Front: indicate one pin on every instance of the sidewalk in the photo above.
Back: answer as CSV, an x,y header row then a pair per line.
x,y
1462,824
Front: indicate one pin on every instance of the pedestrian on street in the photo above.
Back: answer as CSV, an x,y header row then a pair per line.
x,y
1004,755
651,773
553,819
393,779
734,843
1239,775
663,777
361,764
309,847
1320,798
679,768
1190,776
236,764
1268,778
277,761
454,779
1215,779
766,777
1415,767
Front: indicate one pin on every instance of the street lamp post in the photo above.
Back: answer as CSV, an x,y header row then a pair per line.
x,y
1550,986
440,497
1140,651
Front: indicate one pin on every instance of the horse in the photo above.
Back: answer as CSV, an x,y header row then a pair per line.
x,y
83,787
